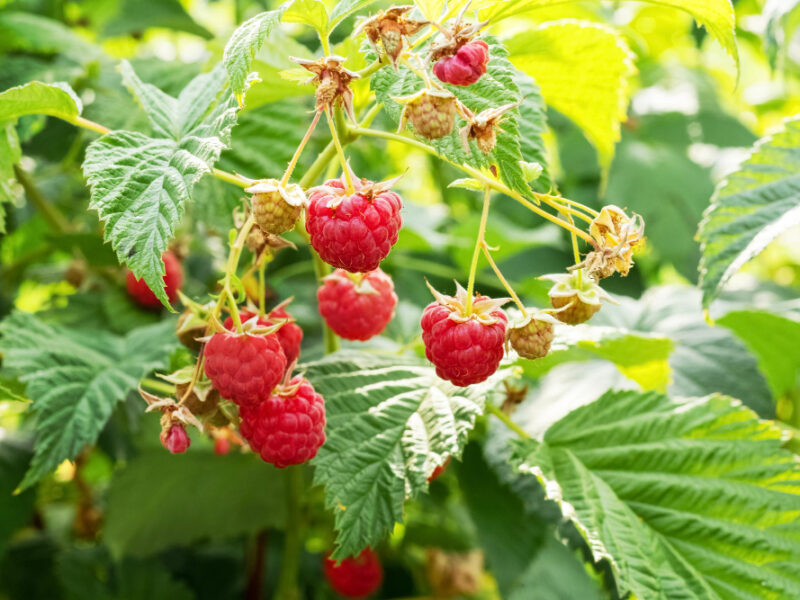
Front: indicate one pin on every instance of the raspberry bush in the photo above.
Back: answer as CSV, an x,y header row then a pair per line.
x,y
330,299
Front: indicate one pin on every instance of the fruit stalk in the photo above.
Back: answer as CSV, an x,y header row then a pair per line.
x,y
287,588
477,252
487,253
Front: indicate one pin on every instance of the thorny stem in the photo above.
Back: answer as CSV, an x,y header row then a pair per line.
x,y
288,173
231,178
348,178
493,409
477,252
487,253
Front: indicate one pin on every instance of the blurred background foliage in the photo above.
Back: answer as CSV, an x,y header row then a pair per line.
x,y
124,520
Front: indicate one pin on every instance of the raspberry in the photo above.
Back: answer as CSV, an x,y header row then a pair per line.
x,y
357,311
173,280
577,295
431,112
288,427
466,66
354,231
221,446
175,439
276,207
438,470
466,348
356,576
532,337
244,367
290,335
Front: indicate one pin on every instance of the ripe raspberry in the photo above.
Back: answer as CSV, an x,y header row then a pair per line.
x,y
175,439
466,66
438,470
577,295
288,427
276,207
290,335
357,311
532,337
173,280
431,112
244,367
221,446
354,231
465,348
356,576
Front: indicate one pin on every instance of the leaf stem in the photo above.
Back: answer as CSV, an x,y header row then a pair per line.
x,y
52,216
493,409
91,125
154,385
502,279
233,178
288,173
473,268
372,68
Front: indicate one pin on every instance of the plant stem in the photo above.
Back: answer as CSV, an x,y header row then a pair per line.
x,y
262,285
575,203
348,178
255,579
49,212
91,125
491,408
288,173
242,182
477,252
287,588
503,280
372,67
330,339
154,385
553,201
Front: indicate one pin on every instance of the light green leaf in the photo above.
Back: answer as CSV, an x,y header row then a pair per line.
x,y
9,155
245,41
496,88
140,185
136,16
685,498
773,340
308,12
75,379
750,208
391,421
229,496
532,126
37,98
345,8
583,70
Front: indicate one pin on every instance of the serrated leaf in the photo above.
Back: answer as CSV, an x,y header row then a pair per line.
x,y
750,208
228,495
391,420
75,379
243,44
9,155
37,98
583,70
532,126
556,574
345,8
308,12
773,340
496,88
140,185
685,498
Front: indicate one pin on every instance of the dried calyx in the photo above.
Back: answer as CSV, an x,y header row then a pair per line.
x,y
390,27
361,284
461,310
484,126
617,237
332,81
361,186
453,37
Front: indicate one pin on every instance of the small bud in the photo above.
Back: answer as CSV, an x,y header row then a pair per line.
x,y
175,439
390,26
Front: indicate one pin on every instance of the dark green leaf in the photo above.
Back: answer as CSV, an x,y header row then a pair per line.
x,y
137,16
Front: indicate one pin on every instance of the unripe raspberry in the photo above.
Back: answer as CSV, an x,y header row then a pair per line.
x,y
173,280
354,231
290,335
244,367
465,347
276,207
288,427
431,112
175,439
357,311
576,295
355,577
532,336
466,66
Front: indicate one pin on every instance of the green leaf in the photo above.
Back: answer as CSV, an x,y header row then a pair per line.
x,y
783,18
583,70
140,185
391,421
532,127
685,498
750,208
75,379
28,32
556,574
773,340
37,98
243,44
638,356
496,88
308,12
137,16
345,8
228,496
9,156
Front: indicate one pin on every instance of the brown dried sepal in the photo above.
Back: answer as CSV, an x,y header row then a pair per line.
x,y
389,27
617,237
455,36
332,81
484,126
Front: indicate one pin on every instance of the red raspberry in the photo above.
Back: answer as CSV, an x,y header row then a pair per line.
x,y
243,367
466,66
356,576
464,348
290,335
438,470
354,231
357,311
221,446
288,427
175,439
173,280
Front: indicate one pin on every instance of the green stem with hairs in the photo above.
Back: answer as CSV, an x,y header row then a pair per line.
x,y
476,253
492,409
